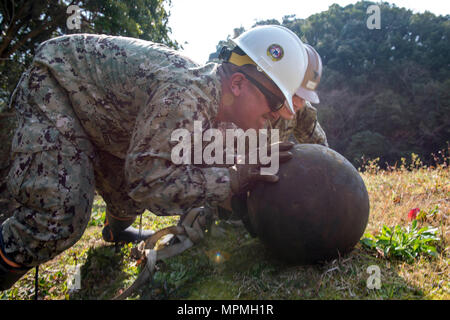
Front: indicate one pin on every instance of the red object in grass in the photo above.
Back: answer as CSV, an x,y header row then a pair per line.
x,y
413,213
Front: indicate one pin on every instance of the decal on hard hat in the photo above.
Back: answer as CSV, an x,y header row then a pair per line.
x,y
311,85
275,51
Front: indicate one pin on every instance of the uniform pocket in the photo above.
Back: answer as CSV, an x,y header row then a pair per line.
x,y
49,180
29,142
35,138
19,168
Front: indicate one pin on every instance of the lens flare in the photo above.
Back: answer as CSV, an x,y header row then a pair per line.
x,y
219,257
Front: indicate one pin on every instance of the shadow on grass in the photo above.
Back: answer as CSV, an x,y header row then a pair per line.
x,y
229,264
232,265
102,274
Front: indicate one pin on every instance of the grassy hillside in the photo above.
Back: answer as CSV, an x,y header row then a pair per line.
x,y
229,264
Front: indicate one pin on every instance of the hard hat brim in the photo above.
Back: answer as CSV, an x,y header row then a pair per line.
x,y
308,95
290,101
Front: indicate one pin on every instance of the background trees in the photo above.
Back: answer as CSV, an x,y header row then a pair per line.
x,y
384,93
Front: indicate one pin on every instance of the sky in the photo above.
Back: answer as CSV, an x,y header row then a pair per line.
x,y
198,25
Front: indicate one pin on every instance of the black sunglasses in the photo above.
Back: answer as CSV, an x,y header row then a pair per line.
x,y
275,102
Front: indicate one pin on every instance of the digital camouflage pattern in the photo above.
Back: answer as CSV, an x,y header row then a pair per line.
x,y
97,112
304,128
51,180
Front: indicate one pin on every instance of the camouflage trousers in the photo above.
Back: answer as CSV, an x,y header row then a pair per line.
x,y
54,173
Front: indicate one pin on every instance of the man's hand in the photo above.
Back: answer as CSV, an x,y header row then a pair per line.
x,y
244,176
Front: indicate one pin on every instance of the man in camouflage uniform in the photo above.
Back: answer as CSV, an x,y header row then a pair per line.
x,y
96,113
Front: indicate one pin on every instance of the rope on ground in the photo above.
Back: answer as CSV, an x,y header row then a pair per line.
x,y
189,233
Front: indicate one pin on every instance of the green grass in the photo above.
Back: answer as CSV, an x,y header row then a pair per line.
x,y
229,264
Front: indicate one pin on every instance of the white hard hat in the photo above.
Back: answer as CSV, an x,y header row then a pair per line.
x,y
279,53
312,76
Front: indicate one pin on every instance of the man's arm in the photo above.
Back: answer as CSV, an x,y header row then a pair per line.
x,y
153,179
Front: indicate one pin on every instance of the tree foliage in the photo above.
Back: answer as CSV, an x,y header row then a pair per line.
x,y
384,92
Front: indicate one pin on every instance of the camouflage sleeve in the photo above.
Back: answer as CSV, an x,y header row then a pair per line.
x,y
308,129
154,180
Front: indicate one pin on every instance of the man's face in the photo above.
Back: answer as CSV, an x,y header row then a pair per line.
x,y
253,109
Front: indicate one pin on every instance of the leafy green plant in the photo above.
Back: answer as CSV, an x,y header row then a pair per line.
x,y
98,213
406,244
